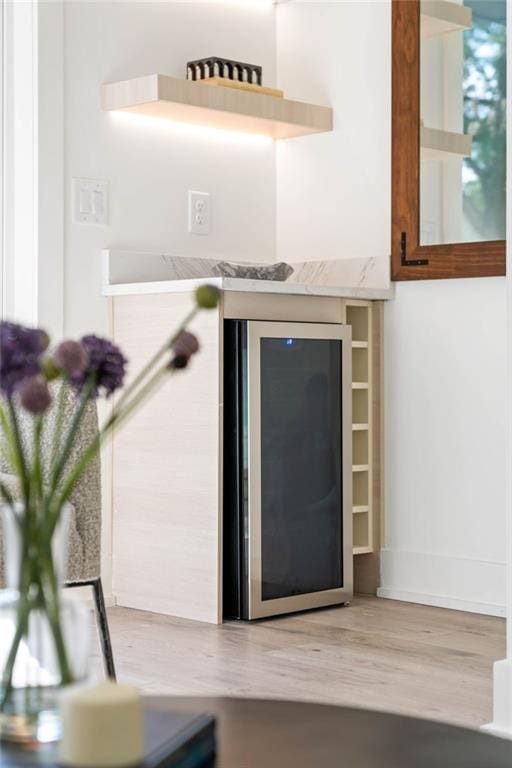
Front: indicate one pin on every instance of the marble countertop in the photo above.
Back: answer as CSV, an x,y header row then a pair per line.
x,y
251,286
130,272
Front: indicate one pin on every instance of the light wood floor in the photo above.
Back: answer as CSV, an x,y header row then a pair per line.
x,y
379,654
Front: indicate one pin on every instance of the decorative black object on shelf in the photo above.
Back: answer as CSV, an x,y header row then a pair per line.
x,y
201,69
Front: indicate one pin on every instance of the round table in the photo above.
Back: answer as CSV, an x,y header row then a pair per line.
x,y
256,733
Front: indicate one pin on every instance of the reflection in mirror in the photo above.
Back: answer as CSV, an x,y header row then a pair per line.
x,y
462,127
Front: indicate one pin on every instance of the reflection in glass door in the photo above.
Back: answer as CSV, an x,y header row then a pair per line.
x,y
463,121
301,479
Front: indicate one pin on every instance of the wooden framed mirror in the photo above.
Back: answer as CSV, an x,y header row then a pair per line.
x,y
449,138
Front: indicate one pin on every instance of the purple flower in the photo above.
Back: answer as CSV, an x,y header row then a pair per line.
x,y
184,346
34,395
106,362
71,357
20,352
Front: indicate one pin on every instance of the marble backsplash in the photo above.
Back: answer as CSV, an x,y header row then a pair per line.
x,y
135,267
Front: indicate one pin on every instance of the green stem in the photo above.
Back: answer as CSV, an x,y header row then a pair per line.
x,y
9,438
119,416
166,346
59,418
36,474
19,455
37,572
149,388
68,443
36,529
51,602
6,495
21,630
22,614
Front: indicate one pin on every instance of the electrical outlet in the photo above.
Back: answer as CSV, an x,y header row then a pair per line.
x,y
199,212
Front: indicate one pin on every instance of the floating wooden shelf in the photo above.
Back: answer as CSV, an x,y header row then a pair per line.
x,y
359,509
360,427
437,142
360,467
441,16
359,385
359,345
187,101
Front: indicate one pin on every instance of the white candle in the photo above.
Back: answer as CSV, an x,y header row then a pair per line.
x,y
102,726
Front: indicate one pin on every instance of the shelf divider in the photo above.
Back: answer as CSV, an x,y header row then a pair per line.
x,y
359,315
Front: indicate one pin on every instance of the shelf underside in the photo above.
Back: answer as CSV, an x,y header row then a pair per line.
x,y
186,101
438,17
435,142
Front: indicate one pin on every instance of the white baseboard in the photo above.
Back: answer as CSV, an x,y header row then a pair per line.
x,y
462,584
502,709
497,730
439,601
110,601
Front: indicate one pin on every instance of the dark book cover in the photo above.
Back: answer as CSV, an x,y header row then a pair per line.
x,y
172,740
178,740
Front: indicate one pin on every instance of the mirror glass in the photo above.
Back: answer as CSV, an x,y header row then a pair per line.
x,y
462,121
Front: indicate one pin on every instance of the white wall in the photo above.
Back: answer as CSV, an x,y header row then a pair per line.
x,y
333,190
149,166
445,340
445,395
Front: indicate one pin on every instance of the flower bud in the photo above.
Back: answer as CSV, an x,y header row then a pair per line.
x,y
71,357
35,395
179,362
207,296
49,369
185,344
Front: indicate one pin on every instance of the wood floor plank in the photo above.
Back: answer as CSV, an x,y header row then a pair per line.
x,y
380,654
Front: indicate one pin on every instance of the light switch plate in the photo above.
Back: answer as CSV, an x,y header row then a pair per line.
x,y
90,201
199,213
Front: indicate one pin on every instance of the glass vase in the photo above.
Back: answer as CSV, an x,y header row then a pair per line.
x,y
44,633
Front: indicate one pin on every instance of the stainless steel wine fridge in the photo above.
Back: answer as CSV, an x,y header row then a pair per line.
x,y
287,542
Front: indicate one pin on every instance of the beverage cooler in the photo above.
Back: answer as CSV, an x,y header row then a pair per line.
x,y
287,543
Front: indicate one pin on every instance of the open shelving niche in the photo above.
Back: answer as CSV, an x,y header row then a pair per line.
x,y
358,314
441,17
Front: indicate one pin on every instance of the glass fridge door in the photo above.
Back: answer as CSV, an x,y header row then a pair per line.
x,y
300,535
